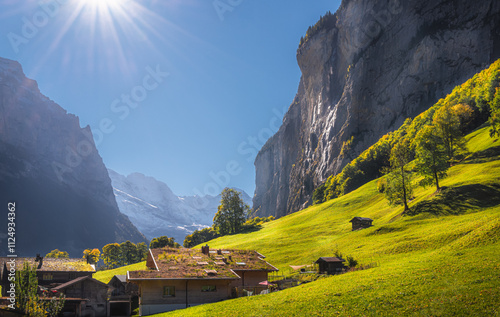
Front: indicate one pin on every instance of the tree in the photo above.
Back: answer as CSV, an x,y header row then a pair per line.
x,y
163,241
142,251
128,253
57,254
26,290
199,237
231,212
27,299
399,188
431,155
448,120
111,255
92,256
495,115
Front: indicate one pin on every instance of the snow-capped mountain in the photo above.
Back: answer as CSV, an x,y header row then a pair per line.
x,y
156,211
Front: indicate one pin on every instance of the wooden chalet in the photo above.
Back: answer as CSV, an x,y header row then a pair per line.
x,y
85,296
50,271
359,223
180,278
330,265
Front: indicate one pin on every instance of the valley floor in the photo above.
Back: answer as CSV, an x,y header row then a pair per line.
x,y
443,261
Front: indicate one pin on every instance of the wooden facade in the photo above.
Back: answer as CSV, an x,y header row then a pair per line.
x,y
359,223
122,296
93,296
85,296
50,272
166,295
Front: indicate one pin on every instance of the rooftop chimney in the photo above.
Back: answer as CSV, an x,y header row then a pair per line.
x,y
205,249
39,259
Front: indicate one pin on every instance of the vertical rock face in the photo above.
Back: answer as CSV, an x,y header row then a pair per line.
x,y
381,62
50,167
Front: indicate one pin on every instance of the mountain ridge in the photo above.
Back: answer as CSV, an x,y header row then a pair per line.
x,y
51,168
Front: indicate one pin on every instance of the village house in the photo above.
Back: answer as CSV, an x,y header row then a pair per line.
x,y
50,271
85,296
180,278
330,265
123,295
359,223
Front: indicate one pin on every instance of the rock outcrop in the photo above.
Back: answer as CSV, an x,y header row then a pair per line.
x,y
377,63
51,169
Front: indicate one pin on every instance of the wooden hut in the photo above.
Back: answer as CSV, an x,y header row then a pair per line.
x,y
330,265
359,223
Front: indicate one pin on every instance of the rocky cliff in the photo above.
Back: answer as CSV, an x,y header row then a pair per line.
x,y
374,64
50,167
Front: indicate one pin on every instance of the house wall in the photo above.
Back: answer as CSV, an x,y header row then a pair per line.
x,y
96,293
58,277
356,225
152,300
249,278
119,287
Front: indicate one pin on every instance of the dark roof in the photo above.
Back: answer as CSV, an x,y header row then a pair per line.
x,y
121,278
78,280
330,259
172,263
52,264
361,219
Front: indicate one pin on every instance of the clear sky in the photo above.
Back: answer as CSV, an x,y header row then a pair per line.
x,y
186,91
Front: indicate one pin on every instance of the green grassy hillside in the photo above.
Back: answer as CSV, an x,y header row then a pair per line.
x,y
106,276
444,259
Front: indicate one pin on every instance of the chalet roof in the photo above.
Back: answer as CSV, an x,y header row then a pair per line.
x,y
360,219
171,263
330,259
51,264
78,280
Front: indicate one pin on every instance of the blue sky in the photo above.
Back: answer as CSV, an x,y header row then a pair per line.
x,y
186,91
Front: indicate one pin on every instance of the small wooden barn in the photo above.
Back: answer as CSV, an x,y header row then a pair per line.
x,y
359,223
330,265
85,296
122,296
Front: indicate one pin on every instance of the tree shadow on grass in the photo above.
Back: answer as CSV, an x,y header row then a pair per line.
x,y
488,155
250,228
458,200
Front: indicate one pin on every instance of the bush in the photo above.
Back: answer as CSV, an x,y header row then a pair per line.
x,y
381,185
351,262
199,237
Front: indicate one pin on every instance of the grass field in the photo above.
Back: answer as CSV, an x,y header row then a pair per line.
x,y
106,276
444,260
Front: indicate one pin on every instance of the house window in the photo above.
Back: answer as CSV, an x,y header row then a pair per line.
x,y
47,277
209,288
168,291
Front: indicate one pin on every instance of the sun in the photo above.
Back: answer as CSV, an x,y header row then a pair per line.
x,y
104,4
